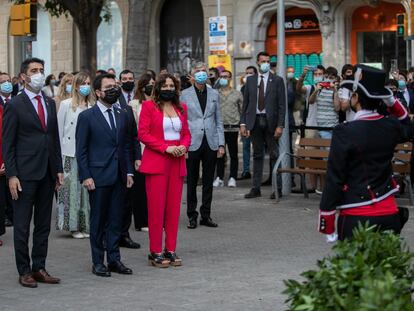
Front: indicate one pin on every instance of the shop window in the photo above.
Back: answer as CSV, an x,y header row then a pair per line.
x,y
379,48
303,45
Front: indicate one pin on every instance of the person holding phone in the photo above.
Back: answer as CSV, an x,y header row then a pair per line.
x,y
325,97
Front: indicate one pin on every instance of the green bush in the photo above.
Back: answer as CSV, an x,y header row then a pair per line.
x,y
373,272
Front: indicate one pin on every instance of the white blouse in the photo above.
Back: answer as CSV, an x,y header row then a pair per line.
x,y
172,128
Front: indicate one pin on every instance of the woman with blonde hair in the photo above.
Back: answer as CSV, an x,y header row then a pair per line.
x,y
72,199
64,91
143,92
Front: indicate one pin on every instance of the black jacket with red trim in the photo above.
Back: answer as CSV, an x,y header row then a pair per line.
x,y
359,166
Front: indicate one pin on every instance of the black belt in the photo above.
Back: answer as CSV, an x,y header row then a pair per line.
x,y
261,115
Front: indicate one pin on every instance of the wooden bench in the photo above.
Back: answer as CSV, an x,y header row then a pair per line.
x,y
311,158
402,167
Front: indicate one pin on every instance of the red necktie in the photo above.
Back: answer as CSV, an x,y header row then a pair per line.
x,y
41,112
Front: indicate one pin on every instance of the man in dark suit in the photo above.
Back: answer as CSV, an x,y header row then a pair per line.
x,y
105,169
33,164
263,117
127,84
6,94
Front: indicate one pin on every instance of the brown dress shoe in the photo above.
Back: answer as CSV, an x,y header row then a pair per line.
x,y
27,280
43,277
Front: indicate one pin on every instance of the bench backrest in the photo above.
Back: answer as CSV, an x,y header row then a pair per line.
x,y
313,153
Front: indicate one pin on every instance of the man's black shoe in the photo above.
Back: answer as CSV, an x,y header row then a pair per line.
x,y
8,223
268,182
192,223
128,243
119,267
100,270
254,193
208,223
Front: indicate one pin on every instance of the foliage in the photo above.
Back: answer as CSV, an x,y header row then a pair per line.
x,y
372,272
69,7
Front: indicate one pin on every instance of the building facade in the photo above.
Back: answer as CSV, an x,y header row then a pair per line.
x,y
330,32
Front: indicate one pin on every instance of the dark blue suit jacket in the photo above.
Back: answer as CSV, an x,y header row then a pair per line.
x,y
101,154
133,129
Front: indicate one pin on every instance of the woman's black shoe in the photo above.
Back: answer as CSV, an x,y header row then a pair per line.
x,y
158,260
174,259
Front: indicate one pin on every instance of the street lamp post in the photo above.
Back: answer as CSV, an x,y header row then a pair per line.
x,y
284,145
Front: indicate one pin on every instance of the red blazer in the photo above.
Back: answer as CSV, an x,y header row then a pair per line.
x,y
151,134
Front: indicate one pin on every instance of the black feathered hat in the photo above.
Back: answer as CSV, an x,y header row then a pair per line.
x,y
370,80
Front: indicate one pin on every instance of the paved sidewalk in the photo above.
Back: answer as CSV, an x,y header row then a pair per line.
x,y
240,265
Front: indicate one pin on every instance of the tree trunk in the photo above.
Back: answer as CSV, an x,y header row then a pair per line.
x,y
138,36
88,49
87,17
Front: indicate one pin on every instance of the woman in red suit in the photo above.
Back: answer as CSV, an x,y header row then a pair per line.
x,y
163,129
2,181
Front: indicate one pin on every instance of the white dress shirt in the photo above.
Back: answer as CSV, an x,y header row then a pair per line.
x,y
4,98
104,111
265,79
407,97
32,98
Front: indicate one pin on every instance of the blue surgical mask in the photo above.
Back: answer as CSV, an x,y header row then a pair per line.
x,y
223,82
402,85
84,90
290,75
200,77
318,79
264,67
69,88
6,87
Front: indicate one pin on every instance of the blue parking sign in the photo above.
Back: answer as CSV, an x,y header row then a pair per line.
x,y
213,26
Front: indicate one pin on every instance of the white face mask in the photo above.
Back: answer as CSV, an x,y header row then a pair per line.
x,y
37,81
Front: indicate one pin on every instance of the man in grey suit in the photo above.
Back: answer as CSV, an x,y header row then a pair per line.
x,y
207,143
263,117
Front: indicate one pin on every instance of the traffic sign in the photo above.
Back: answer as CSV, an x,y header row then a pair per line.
x,y
218,34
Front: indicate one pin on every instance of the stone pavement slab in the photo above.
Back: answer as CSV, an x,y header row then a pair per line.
x,y
240,265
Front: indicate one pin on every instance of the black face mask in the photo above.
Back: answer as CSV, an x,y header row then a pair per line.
x,y
167,95
148,90
349,77
111,96
128,86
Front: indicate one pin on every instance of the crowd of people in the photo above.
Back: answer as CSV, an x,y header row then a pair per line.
x,y
110,149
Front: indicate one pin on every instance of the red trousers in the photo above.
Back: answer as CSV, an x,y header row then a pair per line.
x,y
164,193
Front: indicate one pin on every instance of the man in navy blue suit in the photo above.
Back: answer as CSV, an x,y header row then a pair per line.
x,y
105,169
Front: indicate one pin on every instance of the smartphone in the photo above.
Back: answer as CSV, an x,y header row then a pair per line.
x,y
311,68
326,85
394,68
